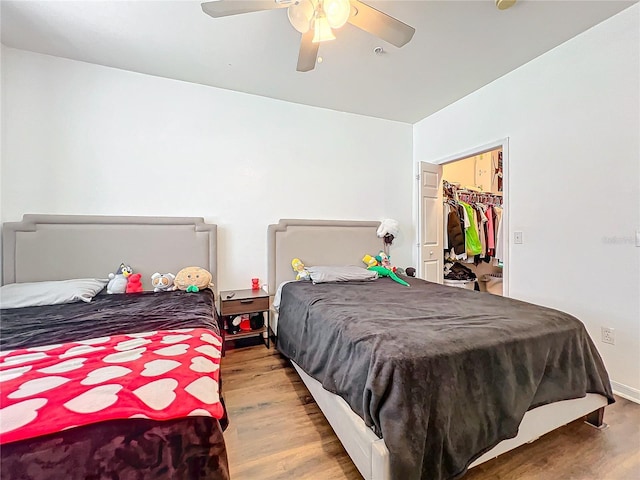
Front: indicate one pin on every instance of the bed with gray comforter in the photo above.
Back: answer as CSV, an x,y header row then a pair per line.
x,y
442,374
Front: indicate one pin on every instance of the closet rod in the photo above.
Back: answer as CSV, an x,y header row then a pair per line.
x,y
455,193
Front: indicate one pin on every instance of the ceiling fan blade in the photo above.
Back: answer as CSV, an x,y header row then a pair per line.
x,y
380,24
308,53
225,8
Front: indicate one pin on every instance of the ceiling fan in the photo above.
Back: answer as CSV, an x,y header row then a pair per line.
x,y
316,20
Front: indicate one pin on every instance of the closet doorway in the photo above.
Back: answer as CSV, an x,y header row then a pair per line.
x,y
474,186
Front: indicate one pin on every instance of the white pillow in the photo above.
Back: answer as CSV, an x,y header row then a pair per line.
x,y
340,273
35,294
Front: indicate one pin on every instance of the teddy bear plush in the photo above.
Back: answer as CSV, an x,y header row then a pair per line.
x,y
134,283
162,282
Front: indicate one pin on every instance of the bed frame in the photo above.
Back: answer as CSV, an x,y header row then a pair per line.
x,y
62,247
323,242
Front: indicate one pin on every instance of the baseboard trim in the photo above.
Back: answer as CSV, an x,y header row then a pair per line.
x,y
624,391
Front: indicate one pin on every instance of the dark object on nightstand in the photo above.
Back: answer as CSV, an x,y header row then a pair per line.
x,y
256,320
251,302
231,328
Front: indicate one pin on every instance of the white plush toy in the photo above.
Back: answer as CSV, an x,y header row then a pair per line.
x,y
388,226
162,282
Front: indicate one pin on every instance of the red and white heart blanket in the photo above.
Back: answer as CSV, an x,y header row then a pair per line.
x,y
158,375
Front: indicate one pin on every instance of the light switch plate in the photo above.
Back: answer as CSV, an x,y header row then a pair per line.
x,y
517,237
637,238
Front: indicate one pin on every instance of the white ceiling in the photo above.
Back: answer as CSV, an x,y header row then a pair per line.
x,y
458,47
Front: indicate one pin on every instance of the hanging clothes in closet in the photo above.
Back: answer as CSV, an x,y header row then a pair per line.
x,y
473,221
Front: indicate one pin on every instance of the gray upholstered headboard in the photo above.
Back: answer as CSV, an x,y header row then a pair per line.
x,y
60,247
318,242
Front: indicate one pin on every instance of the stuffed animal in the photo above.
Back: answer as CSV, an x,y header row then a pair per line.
x,y
193,279
238,323
370,261
385,272
384,260
388,230
233,324
301,272
118,281
163,282
245,323
376,264
134,283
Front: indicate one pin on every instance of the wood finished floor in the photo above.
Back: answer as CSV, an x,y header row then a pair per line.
x,y
277,432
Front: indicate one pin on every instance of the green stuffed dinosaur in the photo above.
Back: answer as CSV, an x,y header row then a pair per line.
x,y
385,272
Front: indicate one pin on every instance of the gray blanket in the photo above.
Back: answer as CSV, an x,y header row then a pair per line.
x,y
442,374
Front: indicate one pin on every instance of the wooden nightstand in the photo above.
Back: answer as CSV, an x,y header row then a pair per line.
x,y
238,302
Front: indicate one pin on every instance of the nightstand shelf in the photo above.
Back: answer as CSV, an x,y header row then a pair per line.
x,y
247,334
240,302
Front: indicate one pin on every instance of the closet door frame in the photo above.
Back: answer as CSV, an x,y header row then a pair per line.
x,y
506,232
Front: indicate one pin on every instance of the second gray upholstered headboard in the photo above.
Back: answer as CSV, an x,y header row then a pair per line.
x,y
60,247
318,242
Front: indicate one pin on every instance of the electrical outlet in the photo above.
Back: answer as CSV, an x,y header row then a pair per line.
x,y
517,237
608,335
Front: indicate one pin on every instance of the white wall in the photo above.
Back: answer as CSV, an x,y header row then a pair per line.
x,y
476,171
572,118
86,139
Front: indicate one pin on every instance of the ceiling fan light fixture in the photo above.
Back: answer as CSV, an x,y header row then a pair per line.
x,y
504,4
316,18
337,12
300,15
321,29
